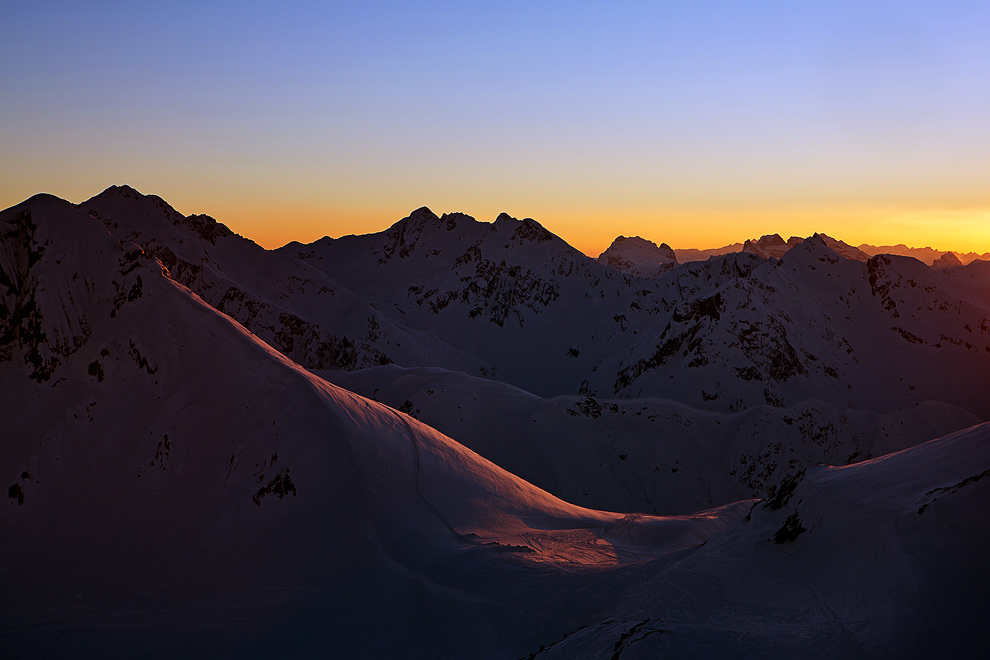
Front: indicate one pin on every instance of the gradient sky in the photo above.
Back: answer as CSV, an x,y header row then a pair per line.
x,y
694,123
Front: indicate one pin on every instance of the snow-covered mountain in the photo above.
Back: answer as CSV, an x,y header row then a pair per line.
x,y
727,334
509,293
178,483
947,260
158,451
299,310
879,335
638,256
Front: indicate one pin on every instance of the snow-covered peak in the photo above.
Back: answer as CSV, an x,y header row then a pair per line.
x,y
638,256
149,213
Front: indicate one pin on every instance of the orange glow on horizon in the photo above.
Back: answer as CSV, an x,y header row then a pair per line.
x,y
592,231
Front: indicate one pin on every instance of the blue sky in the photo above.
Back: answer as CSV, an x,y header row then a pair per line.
x,y
685,122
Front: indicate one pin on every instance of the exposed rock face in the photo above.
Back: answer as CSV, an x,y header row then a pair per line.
x,y
638,256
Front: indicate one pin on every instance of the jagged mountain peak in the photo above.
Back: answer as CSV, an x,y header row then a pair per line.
x,y
523,230
424,221
947,260
125,192
638,256
767,246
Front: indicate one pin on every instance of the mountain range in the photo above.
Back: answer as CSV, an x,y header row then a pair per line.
x,y
774,245
466,439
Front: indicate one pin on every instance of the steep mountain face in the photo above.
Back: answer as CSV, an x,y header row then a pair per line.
x,y
638,256
158,453
306,315
58,288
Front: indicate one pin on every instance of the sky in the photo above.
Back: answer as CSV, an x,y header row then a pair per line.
x,y
697,123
